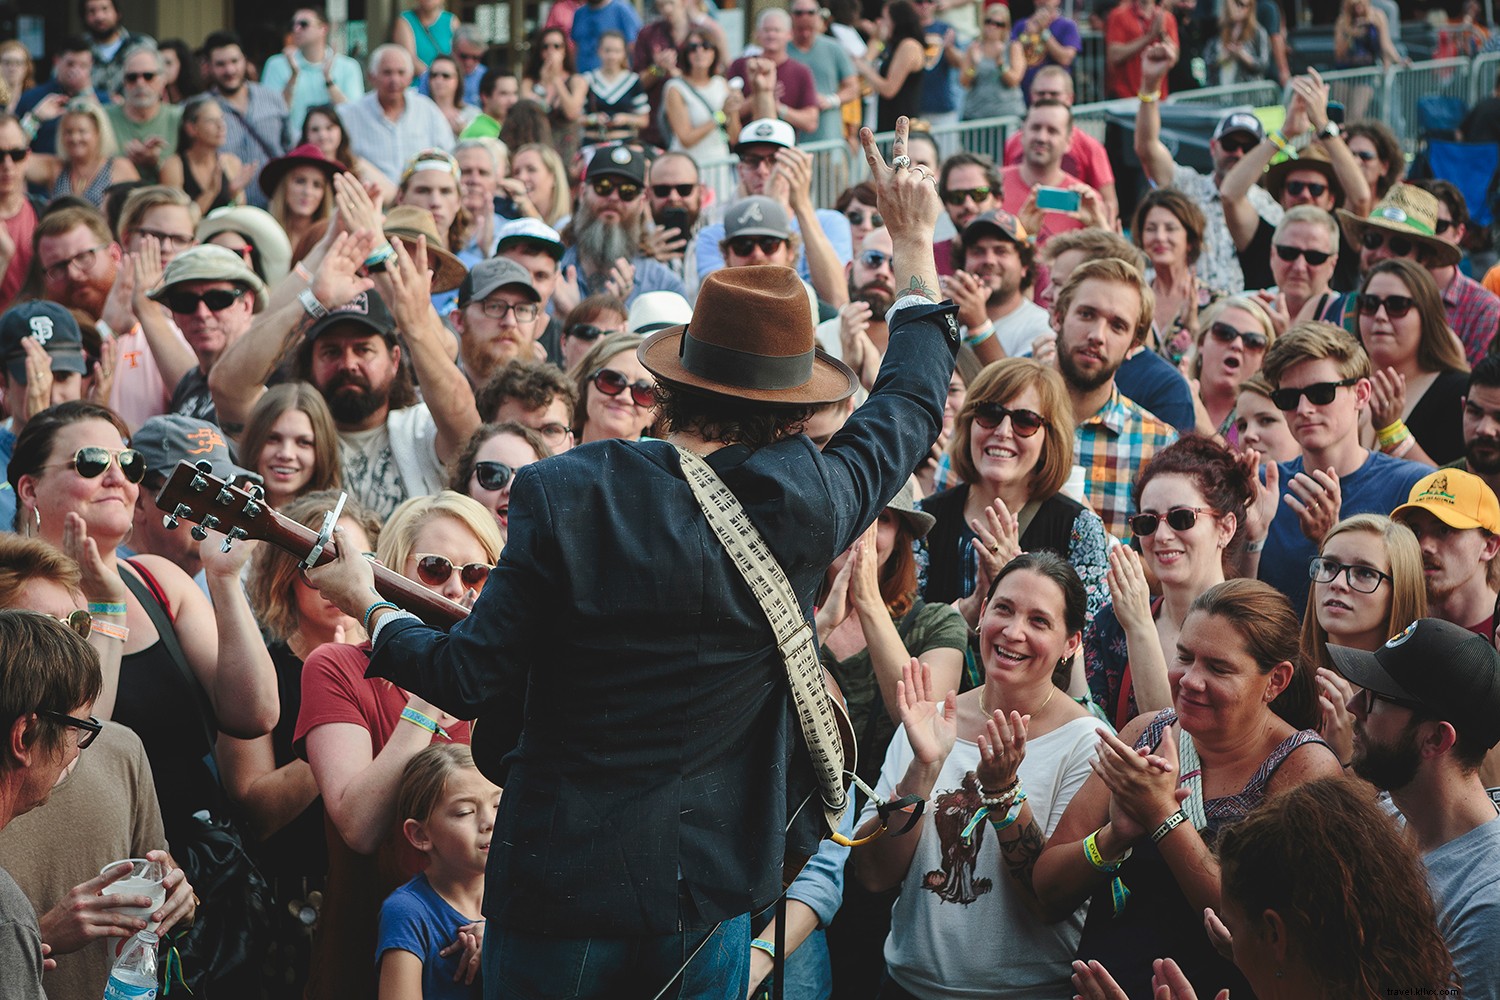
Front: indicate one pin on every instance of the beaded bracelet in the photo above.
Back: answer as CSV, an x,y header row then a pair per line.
x,y
106,607
376,607
1013,814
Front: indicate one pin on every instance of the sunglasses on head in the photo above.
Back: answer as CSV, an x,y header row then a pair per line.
x,y
1297,188
1238,144
1177,518
434,571
1396,306
958,197
493,475
217,300
585,331
147,75
1315,258
91,462
1399,246
624,190
873,259
1254,340
612,383
1023,423
744,246
665,190
16,155
1318,394
871,218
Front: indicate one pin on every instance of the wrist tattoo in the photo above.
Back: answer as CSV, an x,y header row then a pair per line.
x,y
922,288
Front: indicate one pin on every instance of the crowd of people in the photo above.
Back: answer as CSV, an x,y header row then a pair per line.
x,y
1151,538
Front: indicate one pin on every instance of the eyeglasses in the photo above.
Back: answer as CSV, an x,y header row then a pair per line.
x,y
553,432
1318,394
1395,306
498,308
79,621
665,190
998,24
91,726
624,190
217,300
755,162
1362,579
957,197
16,155
302,22
1365,154
147,75
91,462
1297,188
434,571
1244,145
872,259
744,246
1315,258
169,241
1177,518
1399,246
1023,423
585,331
1254,340
83,258
871,218
1370,697
612,383
493,475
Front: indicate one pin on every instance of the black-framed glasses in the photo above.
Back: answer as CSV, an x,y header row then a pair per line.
x,y
168,241
84,259
958,196
217,300
873,259
1318,394
499,308
1314,258
1371,697
91,726
434,571
612,383
1297,188
147,75
1361,579
665,190
553,432
1023,422
1254,340
91,462
868,217
585,331
16,155
1395,306
1180,518
1399,246
1238,145
624,190
493,476
744,246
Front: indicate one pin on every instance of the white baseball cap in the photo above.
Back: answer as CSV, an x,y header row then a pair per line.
x,y
771,131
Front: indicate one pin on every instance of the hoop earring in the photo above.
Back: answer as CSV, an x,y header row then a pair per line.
x,y
38,512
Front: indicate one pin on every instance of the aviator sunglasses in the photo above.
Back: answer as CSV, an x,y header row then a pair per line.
x,y
91,462
606,186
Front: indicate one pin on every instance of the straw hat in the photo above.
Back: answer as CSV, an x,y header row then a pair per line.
x,y
1405,211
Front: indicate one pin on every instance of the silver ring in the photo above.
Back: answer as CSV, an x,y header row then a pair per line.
x,y
900,162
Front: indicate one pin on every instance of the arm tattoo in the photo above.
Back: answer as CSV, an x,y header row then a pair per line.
x,y
1021,854
922,288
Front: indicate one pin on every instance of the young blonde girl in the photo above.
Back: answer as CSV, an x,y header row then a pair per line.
x,y
431,932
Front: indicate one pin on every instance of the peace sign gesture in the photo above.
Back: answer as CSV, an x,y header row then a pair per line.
x,y
908,201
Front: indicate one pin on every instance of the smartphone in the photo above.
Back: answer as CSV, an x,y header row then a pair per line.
x,y
679,219
1055,199
1336,112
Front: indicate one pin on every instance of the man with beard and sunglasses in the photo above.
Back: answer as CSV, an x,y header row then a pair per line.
x,y
1426,711
858,335
112,43
1456,519
145,125
604,238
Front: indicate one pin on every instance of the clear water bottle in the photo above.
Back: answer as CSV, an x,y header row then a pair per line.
x,y
134,974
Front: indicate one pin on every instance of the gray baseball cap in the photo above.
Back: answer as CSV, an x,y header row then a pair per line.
x,y
171,438
494,273
756,216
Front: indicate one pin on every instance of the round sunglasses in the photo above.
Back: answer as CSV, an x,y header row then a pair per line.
x,y
91,462
612,383
1024,423
493,475
1177,518
1396,306
1254,340
434,571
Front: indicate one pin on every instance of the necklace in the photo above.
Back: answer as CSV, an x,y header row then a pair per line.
x,y
984,710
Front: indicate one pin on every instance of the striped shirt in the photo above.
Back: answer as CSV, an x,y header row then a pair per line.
x,y
1111,446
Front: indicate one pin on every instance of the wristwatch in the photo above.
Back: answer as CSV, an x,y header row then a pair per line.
x,y
1330,131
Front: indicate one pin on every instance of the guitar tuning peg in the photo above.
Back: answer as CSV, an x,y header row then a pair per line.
x,y
228,544
199,533
234,535
204,466
169,522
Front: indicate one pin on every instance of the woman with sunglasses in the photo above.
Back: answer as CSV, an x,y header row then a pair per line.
x,y
857,204
1420,375
589,320
269,781
1169,228
1137,839
290,440
85,164
1233,335
358,733
551,78
488,465
1379,153
1012,448
445,87
1367,585
199,166
618,394
993,66
1260,424
547,195
1191,499
75,479
898,80
693,102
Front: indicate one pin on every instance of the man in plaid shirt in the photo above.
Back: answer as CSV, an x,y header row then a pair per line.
x,y
1101,313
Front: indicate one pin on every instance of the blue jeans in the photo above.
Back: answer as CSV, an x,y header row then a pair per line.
x,y
522,966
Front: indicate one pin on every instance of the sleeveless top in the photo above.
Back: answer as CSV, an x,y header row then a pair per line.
x,y
987,95
193,189
1363,48
908,100
434,41
94,193
1158,919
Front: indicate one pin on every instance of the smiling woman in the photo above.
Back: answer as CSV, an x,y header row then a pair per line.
x,y
291,441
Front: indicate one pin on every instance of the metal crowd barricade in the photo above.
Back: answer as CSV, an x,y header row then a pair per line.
x,y
1088,68
1362,92
1256,93
1435,78
1482,70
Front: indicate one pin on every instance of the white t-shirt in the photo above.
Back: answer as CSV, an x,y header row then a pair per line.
x,y
1020,327
959,930
391,463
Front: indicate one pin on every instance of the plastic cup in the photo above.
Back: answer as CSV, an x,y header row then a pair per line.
x,y
145,879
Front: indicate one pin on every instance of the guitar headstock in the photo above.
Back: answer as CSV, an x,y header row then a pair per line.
x,y
193,493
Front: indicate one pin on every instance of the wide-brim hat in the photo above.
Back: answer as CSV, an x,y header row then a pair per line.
x,y
1311,158
408,222
1407,211
751,337
904,505
209,262
259,229
305,155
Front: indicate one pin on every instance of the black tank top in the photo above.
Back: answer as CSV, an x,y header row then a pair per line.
x,y
193,189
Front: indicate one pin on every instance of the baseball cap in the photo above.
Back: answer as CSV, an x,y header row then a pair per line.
x,y
996,221
1443,668
1239,121
652,311
530,231
618,160
50,325
756,215
171,438
773,131
209,262
367,309
1457,498
492,273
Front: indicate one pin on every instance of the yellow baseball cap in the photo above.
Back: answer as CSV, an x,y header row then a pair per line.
x,y
1459,499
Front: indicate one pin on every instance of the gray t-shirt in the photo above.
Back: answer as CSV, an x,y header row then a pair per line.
x,y
1464,876
829,64
20,944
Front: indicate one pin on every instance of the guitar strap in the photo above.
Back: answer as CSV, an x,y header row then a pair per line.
x,y
794,636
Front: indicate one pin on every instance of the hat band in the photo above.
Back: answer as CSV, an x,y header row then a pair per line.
x,y
742,369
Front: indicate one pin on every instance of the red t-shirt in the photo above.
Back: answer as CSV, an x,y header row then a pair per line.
x,y
20,226
1085,158
1016,191
795,86
1125,24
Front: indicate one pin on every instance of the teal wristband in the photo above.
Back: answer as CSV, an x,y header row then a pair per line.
x,y
764,945
374,608
106,607
421,721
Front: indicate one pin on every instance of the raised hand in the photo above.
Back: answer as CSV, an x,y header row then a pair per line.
x,y
98,582
1262,507
1335,721
1128,590
929,725
566,294
796,167
1156,61
119,312
406,286
1142,785
148,272
621,279
837,607
1316,499
1168,982
1092,981
338,280
907,198
102,378
864,582
38,376
356,208
1387,397
970,295
1002,748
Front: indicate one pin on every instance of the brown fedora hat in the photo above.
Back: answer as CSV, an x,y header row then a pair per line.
x,y
406,223
750,337
1312,158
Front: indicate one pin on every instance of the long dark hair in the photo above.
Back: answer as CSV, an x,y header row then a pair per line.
x,y
343,153
189,81
533,67
190,113
905,23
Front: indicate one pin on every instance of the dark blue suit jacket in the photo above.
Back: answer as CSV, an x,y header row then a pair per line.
x,y
654,738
